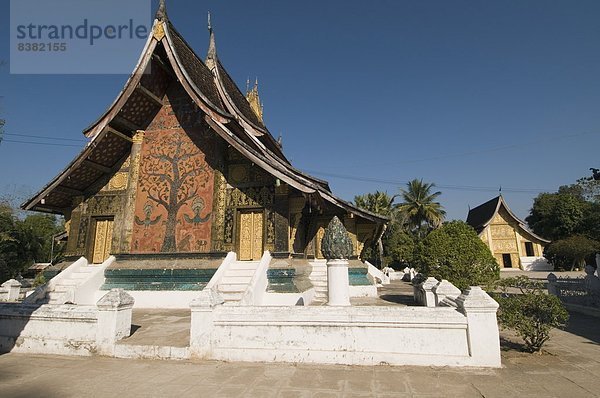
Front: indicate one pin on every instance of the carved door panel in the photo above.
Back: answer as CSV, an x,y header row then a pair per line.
x,y
102,241
251,235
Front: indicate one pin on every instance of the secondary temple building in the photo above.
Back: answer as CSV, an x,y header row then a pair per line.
x,y
508,237
181,169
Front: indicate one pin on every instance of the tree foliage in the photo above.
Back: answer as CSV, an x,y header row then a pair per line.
x,y
455,252
573,210
419,212
532,313
22,242
377,202
571,252
399,247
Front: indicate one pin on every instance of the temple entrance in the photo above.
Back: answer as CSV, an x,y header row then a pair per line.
x,y
251,235
102,240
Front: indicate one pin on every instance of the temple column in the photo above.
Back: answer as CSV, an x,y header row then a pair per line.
x,y
130,195
295,215
280,219
72,248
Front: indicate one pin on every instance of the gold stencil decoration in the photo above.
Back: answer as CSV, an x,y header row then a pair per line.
x,y
118,182
505,246
502,231
238,173
159,31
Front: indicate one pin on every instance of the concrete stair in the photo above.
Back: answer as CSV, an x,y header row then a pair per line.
x,y
235,281
64,291
318,278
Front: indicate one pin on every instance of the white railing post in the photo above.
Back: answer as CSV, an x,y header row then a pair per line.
x,y
202,322
257,287
482,329
10,290
114,319
445,289
218,275
552,285
424,292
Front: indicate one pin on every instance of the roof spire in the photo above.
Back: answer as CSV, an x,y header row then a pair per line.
x,y
161,13
211,55
254,99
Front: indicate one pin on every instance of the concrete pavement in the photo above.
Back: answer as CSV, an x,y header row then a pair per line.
x,y
570,367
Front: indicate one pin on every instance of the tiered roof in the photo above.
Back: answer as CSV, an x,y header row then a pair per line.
x,y
481,216
167,56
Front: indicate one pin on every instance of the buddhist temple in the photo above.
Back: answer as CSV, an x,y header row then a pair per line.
x,y
513,245
181,169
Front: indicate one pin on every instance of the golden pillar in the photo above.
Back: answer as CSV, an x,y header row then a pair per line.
x,y
130,195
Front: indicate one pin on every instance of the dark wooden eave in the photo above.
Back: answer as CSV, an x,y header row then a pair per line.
x,y
171,55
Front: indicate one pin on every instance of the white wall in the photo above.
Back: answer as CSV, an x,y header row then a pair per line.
x,y
438,336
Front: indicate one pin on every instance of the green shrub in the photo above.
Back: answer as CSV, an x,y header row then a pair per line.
x,y
39,280
531,312
454,252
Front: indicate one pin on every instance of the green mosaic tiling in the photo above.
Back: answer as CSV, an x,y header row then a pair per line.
x,y
157,279
281,280
358,277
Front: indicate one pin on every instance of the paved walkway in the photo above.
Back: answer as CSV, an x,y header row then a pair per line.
x,y
153,327
570,368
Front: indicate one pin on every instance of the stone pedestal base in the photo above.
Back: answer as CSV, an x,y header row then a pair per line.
x,y
338,283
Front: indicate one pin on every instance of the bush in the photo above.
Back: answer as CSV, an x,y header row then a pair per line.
x,y
39,280
531,313
455,252
571,252
399,247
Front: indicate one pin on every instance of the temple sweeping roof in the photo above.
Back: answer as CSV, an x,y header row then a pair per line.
x,y
167,56
481,216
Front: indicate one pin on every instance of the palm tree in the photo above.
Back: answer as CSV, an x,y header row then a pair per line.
x,y
378,203
419,212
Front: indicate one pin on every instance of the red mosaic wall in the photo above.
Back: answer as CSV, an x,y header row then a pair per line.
x,y
175,190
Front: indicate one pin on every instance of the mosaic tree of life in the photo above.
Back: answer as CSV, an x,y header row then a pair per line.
x,y
172,172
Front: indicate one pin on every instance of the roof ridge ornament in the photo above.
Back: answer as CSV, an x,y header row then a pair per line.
x,y
161,13
254,99
212,46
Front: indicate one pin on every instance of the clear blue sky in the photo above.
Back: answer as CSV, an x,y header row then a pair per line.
x,y
460,93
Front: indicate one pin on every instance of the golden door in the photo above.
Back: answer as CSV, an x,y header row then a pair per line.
x,y
102,241
251,235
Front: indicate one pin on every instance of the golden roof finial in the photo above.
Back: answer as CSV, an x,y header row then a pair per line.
x,y
254,99
211,55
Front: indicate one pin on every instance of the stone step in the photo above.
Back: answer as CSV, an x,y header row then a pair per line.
x,y
55,297
61,289
244,265
231,296
237,280
232,288
87,269
80,275
239,272
66,283
150,352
